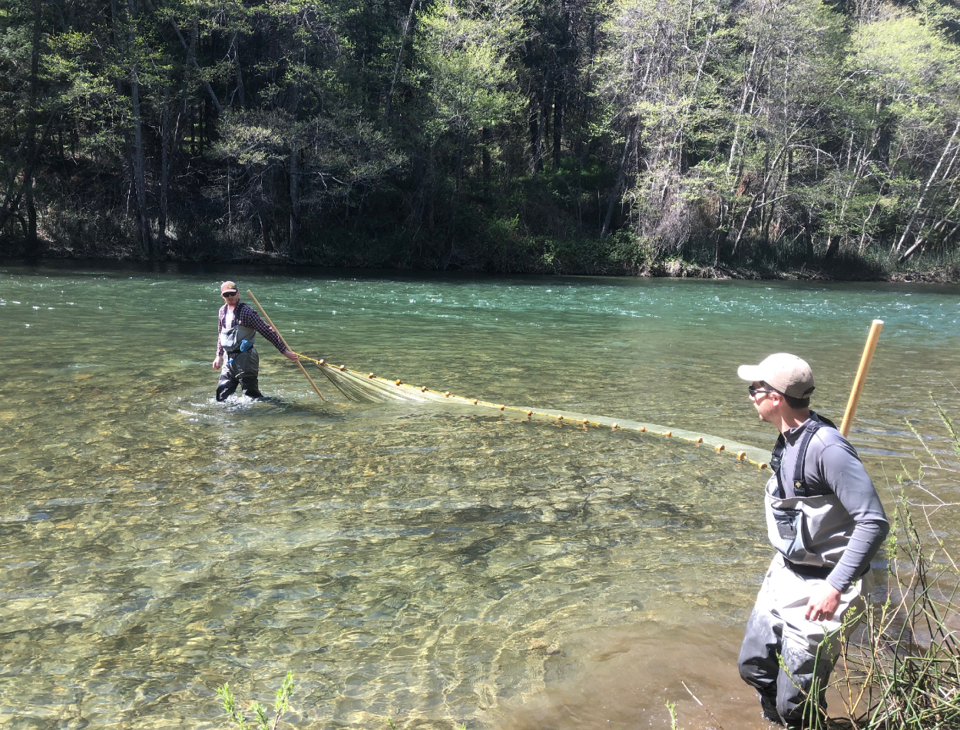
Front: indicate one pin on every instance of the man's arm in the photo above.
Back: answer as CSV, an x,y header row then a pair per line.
x,y
843,471
219,355
251,319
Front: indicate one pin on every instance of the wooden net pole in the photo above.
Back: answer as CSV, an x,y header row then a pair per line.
x,y
270,322
861,376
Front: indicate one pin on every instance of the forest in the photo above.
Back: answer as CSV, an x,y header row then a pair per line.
x,y
675,137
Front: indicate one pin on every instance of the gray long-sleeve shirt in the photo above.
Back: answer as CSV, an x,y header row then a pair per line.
x,y
843,518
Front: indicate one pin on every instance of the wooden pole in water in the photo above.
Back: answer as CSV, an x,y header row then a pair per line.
x,y
861,376
270,322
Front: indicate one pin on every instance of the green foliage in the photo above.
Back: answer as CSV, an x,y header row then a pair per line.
x,y
672,709
509,135
262,721
465,71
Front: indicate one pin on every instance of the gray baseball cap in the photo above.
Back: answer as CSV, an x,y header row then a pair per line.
x,y
783,372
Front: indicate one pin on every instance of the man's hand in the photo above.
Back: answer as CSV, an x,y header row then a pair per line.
x,y
216,363
290,355
823,604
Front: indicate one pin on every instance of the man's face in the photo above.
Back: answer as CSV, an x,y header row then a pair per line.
x,y
230,297
764,399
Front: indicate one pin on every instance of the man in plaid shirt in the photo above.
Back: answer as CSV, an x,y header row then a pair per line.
x,y
237,328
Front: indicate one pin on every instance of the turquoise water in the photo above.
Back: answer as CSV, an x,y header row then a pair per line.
x,y
422,562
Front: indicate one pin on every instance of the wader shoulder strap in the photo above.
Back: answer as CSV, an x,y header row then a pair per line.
x,y
237,311
799,486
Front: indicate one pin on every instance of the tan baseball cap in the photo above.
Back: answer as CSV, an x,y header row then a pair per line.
x,y
783,372
228,286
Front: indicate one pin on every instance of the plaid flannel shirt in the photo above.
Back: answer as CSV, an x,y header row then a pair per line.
x,y
243,314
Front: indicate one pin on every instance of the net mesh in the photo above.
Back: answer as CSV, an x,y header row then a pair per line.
x,y
369,388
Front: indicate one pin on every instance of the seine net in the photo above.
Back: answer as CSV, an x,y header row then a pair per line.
x,y
368,388
371,389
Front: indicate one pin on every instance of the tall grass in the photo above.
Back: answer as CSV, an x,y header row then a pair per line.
x,y
903,671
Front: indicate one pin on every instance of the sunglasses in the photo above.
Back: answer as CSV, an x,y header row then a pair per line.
x,y
756,391
228,294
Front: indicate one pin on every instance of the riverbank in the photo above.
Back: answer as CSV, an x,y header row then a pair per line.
x,y
590,258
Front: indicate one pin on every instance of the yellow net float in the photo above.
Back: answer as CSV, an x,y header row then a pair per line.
x,y
668,434
423,389
502,407
699,440
615,426
529,413
475,401
399,382
741,455
371,376
643,429
719,447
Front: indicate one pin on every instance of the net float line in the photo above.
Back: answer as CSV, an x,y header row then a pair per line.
x,y
370,388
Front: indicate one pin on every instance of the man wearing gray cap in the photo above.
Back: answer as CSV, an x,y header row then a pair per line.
x,y
237,328
826,521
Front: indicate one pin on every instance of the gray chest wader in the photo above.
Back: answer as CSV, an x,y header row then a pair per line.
x,y
787,658
241,365
791,510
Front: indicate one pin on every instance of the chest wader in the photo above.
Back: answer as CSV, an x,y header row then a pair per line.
x,y
241,365
787,658
795,511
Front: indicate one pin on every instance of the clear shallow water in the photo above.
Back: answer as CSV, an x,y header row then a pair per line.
x,y
425,563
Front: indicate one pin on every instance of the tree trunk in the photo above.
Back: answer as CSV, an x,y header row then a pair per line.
x,y
937,228
192,61
743,105
558,101
536,138
485,136
234,54
926,189
294,228
136,153
33,244
621,174
388,104
138,166
165,145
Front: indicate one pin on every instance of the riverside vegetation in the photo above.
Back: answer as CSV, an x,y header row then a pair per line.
x,y
601,136
263,722
905,672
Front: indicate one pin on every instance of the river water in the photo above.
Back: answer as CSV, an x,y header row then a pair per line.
x,y
427,564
